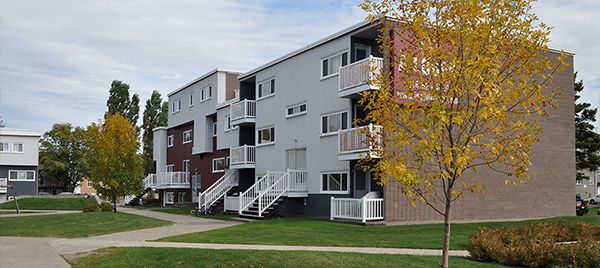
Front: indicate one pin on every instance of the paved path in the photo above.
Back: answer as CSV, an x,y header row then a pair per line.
x,y
46,252
30,212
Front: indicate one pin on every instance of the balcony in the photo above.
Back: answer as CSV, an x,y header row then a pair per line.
x,y
242,157
243,112
168,180
357,77
356,143
367,209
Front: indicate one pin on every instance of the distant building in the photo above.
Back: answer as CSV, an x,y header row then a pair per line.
x,y
85,187
588,188
19,153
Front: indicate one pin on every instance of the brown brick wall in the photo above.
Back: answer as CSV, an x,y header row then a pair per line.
x,y
550,192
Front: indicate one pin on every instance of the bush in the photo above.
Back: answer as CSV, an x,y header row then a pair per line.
x,y
106,206
93,207
556,244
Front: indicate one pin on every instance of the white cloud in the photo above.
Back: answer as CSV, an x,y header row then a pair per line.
x,y
58,58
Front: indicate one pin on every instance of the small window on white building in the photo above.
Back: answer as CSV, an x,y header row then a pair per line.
x,y
89,184
17,147
227,123
332,123
330,66
214,129
191,99
266,88
334,182
296,110
577,182
170,141
187,136
220,164
176,106
209,92
4,147
266,136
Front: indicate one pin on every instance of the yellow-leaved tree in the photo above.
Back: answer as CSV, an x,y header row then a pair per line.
x,y
466,83
115,167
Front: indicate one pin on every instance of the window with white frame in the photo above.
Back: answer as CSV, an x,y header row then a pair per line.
x,y
21,175
176,106
202,95
334,182
266,88
332,123
330,66
187,136
170,141
191,99
170,168
214,129
577,181
227,123
17,147
220,164
4,147
265,136
295,110
169,198
88,184
209,92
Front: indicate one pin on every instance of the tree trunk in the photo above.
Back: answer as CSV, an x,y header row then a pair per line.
x,y
445,250
114,198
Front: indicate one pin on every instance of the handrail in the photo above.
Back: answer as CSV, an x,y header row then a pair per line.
x,y
359,72
274,192
245,154
243,109
218,189
359,139
251,194
362,209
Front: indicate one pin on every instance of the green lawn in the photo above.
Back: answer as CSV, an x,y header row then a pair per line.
x,y
50,203
75,225
299,231
180,257
186,211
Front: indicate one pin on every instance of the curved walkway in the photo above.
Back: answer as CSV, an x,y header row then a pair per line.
x,y
18,251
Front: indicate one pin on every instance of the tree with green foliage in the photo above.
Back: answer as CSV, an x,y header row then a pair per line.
x,y
120,102
587,141
115,167
155,115
61,155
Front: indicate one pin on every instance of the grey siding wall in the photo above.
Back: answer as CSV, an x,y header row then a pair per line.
x,y
21,187
160,149
297,80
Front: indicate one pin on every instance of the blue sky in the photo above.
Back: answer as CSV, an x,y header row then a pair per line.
x,y
58,58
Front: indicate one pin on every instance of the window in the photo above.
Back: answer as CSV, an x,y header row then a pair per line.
x,y
180,197
209,92
330,66
17,148
266,88
191,99
214,129
170,141
577,182
169,198
202,95
88,183
591,181
170,168
21,175
334,182
227,123
332,123
176,106
205,93
266,136
220,164
4,147
187,136
296,110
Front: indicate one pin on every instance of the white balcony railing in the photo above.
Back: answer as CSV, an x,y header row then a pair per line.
x,y
231,203
361,72
167,180
362,209
243,110
360,139
242,155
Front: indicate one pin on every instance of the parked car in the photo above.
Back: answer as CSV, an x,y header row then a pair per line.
x,y
581,206
43,193
595,200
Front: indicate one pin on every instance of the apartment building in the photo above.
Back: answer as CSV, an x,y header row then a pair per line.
x,y
283,141
19,150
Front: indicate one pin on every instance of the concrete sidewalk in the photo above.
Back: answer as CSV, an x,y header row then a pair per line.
x,y
31,212
28,252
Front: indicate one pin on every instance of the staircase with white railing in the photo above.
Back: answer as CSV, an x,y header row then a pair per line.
x,y
267,193
218,189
